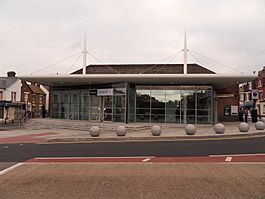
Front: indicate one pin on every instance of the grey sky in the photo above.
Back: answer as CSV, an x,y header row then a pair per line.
x,y
37,33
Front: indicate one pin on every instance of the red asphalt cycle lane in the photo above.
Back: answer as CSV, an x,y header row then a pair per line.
x,y
199,159
25,138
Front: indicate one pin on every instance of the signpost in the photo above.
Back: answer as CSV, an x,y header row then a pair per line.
x,y
254,97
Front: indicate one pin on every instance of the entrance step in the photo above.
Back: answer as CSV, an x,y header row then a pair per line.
x,y
82,125
47,123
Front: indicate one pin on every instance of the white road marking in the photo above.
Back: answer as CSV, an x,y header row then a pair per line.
x,y
235,155
93,157
228,159
11,168
146,159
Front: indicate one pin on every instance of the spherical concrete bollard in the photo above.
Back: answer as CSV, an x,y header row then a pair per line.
x,y
94,131
121,130
219,128
260,125
190,129
156,130
243,127
262,119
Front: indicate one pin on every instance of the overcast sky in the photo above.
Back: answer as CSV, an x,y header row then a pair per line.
x,y
34,34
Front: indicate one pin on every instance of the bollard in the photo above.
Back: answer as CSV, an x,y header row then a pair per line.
x,y
156,130
190,129
260,125
262,119
121,130
219,128
94,131
243,127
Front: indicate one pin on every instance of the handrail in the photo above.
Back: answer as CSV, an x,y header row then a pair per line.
x,y
100,117
23,120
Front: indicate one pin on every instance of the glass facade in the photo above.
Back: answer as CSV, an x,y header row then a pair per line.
x,y
126,102
174,104
86,104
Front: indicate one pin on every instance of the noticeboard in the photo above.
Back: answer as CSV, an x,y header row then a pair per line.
x,y
234,110
227,111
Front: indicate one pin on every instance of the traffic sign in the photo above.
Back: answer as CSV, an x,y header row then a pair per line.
x,y
254,94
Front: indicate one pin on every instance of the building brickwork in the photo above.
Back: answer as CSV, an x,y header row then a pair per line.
x,y
225,99
34,97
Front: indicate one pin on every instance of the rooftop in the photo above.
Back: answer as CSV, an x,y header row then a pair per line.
x,y
144,69
6,82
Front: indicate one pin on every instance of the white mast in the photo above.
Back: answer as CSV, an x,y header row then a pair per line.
x,y
84,55
185,57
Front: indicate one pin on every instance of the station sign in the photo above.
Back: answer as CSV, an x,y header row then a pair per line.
x,y
93,92
105,92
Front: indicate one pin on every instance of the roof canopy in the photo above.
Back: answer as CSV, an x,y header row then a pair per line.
x,y
218,81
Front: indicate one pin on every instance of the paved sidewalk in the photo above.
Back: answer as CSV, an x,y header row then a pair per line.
x,y
169,132
135,180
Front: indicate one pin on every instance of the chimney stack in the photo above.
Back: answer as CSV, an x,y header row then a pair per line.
x,y
11,74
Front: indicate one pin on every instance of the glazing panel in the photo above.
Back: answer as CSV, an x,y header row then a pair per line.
x,y
143,105
158,99
204,106
84,105
188,99
75,103
173,108
118,108
95,107
56,97
108,108
132,104
74,112
142,118
65,97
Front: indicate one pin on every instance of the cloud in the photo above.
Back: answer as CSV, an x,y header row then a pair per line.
x,y
37,33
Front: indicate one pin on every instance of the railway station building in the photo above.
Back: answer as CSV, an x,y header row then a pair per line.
x,y
149,93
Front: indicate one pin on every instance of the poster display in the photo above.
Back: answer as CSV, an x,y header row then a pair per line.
x,y
234,110
227,111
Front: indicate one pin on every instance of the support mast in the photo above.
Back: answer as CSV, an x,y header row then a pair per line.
x,y
185,56
84,55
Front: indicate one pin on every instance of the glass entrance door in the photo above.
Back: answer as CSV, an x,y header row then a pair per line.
x,y
107,108
101,108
